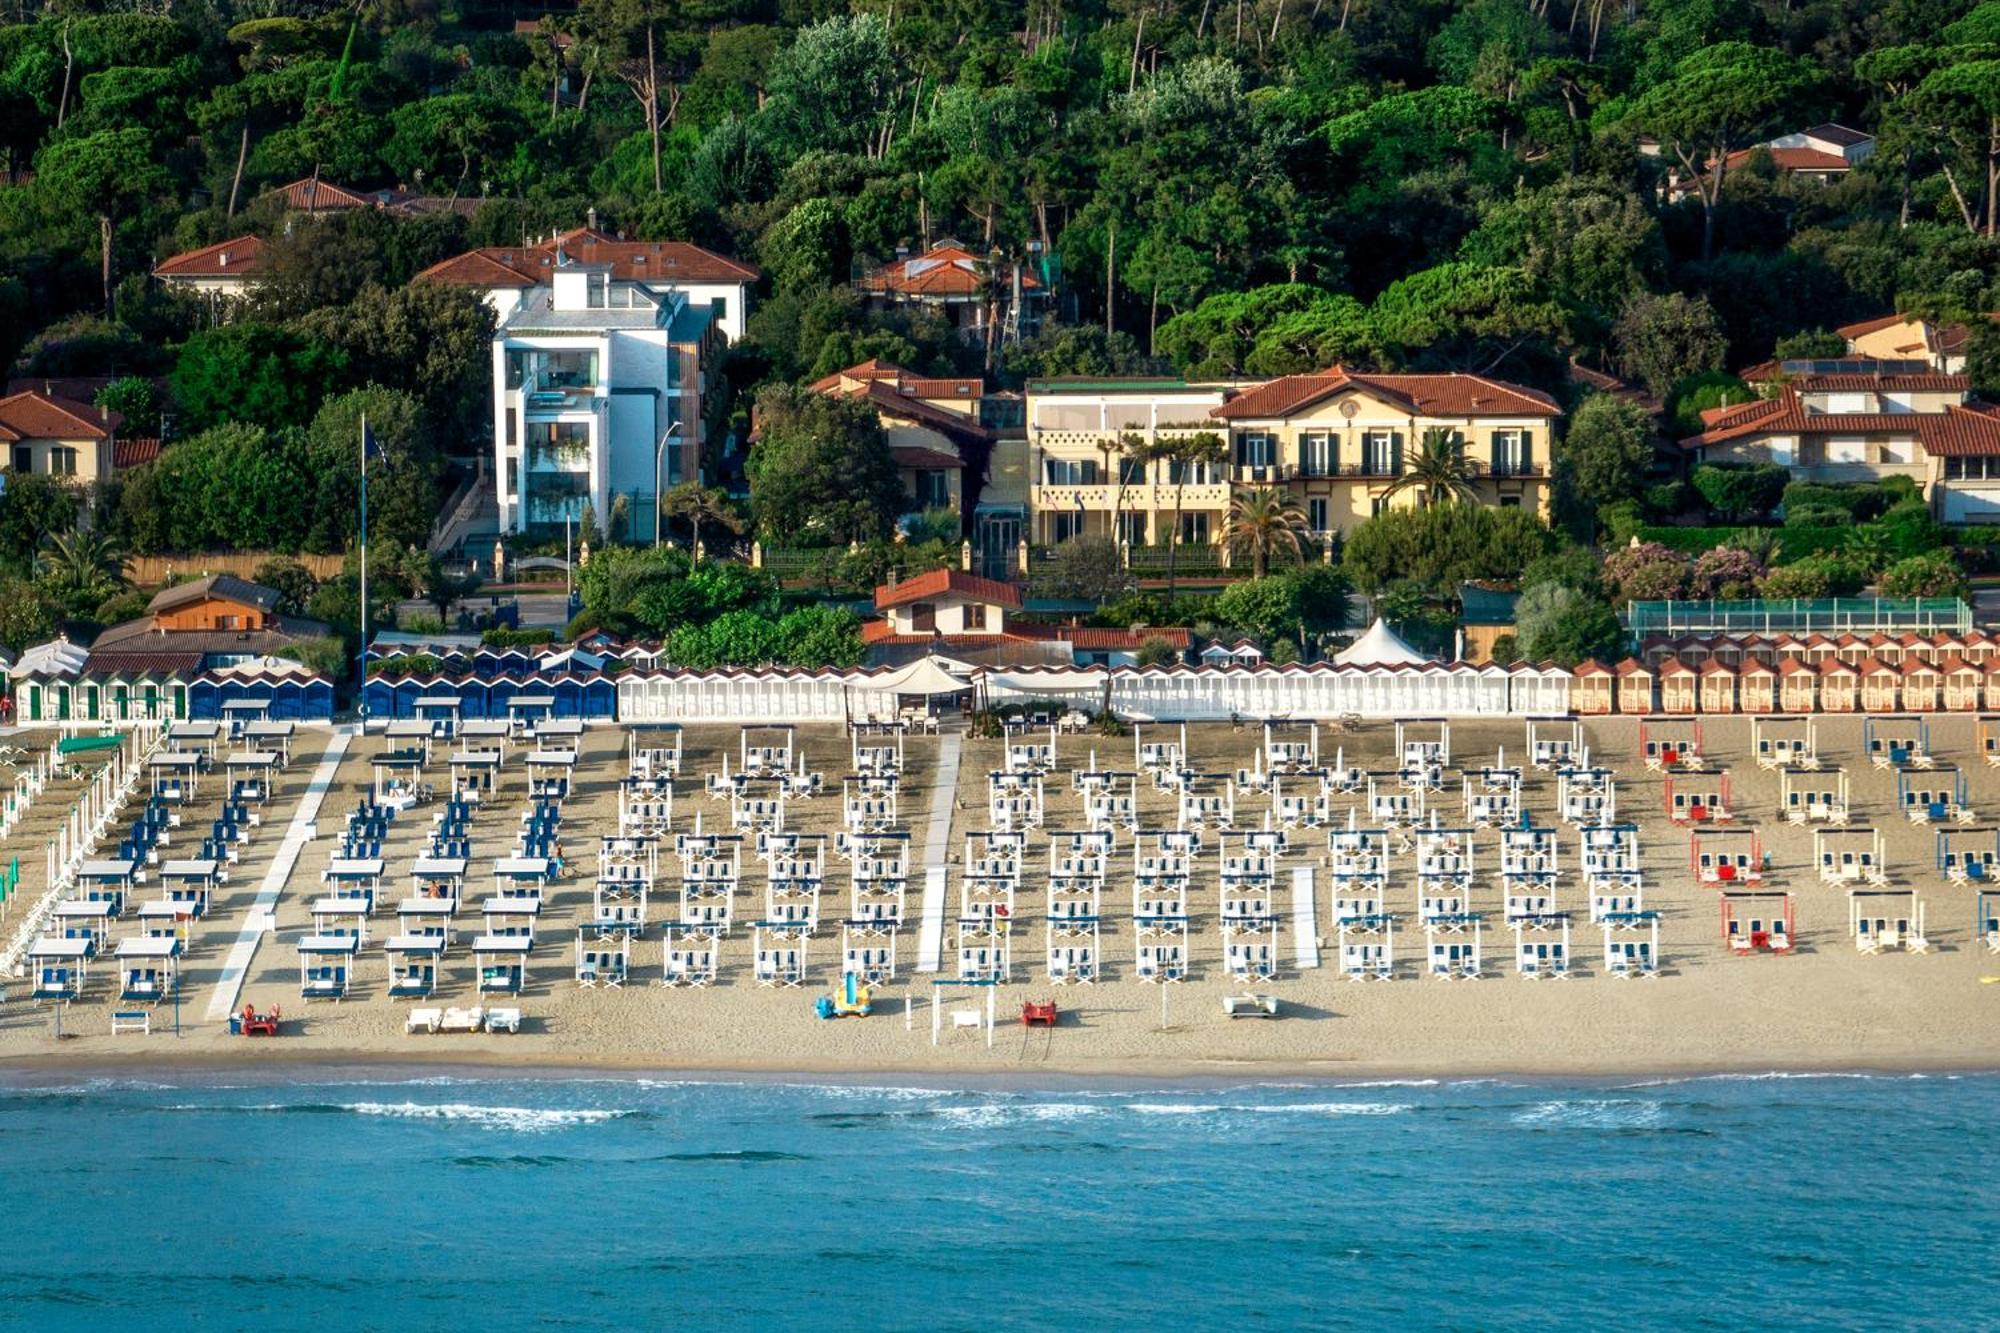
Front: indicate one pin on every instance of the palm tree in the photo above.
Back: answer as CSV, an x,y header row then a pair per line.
x,y
1133,448
1265,522
1188,452
1439,469
700,504
83,568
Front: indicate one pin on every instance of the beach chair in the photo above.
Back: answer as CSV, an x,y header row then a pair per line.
x,y
422,1020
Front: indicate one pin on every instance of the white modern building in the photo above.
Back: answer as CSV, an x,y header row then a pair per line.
x,y
603,353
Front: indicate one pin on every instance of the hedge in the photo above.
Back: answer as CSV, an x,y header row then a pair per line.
x,y
1789,543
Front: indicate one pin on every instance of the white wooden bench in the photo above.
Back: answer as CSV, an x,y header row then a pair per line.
x,y
131,1020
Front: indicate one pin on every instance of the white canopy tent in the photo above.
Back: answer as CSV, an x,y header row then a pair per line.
x,y
1380,646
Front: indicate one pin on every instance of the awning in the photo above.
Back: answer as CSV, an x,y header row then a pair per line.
x,y
926,676
1380,646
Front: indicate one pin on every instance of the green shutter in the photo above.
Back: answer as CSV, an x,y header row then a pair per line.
x,y
1396,453
1527,450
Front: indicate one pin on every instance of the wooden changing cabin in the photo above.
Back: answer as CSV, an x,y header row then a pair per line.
x,y
1635,687
1963,686
1798,686
1839,686
1922,684
1757,687
1881,685
1717,687
1680,687
1591,690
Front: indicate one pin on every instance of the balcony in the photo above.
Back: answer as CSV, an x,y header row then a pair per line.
x,y
1151,496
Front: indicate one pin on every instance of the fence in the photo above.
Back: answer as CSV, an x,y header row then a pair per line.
x,y
146,571
1802,615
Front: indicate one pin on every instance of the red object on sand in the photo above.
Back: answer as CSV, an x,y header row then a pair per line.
x,y
1042,1014
259,1025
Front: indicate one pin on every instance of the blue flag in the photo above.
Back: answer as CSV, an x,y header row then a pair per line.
x,y
369,448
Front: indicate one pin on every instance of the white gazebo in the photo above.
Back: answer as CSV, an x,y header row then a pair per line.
x,y
1380,646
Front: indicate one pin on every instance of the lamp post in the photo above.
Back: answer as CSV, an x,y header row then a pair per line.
x,y
659,455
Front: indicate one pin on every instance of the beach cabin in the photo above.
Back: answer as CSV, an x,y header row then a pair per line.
x,y
1716,687
1884,920
413,965
1808,796
1591,688
1757,686
1679,686
1881,686
1922,686
501,963
1991,697
1798,686
59,965
1636,685
1758,922
148,968
1839,686
1963,686
1632,945
326,964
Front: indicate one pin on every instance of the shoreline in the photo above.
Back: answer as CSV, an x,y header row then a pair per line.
x,y
23,1071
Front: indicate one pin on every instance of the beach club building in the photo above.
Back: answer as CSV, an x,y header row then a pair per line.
x,y
456,675
200,646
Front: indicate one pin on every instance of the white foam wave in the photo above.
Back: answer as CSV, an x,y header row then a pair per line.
x,y
990,1114
1593,1114
1782,1076
524,1119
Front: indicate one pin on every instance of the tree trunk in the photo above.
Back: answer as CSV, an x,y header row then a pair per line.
x,y
1965,212
1992,171
236,181
653,107
1277,17
555,78
1596,26
1201,25
583,93
1174,538
104,239
1110,277
1239,24
1346,8
1138,34
1153,323
69,64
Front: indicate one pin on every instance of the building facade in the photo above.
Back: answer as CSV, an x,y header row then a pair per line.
x,y
604,353
1088,475
52,436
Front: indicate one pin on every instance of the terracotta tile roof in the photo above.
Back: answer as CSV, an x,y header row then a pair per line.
x,y
183,664
916,456
632,261
948,582
1833,666
239,256
1452,395
1960,431
1632,666
941,271
131,453
1590,666
880,633
1862,328
1963,432
1091,639
1717,667
311,196
1795,159
34,415
1849,381
226,586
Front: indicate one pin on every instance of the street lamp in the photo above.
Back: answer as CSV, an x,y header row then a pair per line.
x,y
659,454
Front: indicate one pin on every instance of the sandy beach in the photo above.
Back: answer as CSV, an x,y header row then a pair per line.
x,y
1823,1007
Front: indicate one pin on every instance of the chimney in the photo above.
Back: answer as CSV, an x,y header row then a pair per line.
x,y
591,216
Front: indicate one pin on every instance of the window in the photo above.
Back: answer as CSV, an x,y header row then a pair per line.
x,y
1132,471
1316,514
1846,449
1132,529
24,458
1064,526
1511,453
1191,473
1510,502
721,304
1378,504
598,285
1256,452
975,615
1316,454
923,617
1381,453
229,622
513,482
933,490
62,462
1069,471
1899,451
1194,529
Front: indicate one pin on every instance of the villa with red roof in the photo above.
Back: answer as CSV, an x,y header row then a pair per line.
x,y
57,437
976,619
975,293
932,423
1860,420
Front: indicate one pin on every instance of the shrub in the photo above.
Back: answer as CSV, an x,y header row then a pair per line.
x,y
1575,567
1741,491
1697,393
1815,576
502,637
1156,651
1622,521
1863,500
1931,575
1726,572
1646,572
1507,650
1560,625
1668,499
1818,516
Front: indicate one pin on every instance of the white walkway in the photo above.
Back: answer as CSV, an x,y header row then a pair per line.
x,y
1305,917
237,965
937,849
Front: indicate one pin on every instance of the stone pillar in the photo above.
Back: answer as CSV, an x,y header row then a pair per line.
x,y
1021,557
756,554
965,557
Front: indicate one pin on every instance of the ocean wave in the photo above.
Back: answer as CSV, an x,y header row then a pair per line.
x,y
526,1119
1592,1114
988,1114
1783,1076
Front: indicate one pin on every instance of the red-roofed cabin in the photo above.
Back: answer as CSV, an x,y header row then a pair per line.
x,y
1757,687
1679,687
1962,685
1590,689
1635,686
1992,685
1717,687
1881,683
1922,683
1839,686
1798,686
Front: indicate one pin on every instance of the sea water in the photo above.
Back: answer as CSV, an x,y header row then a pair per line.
x,y
426,1203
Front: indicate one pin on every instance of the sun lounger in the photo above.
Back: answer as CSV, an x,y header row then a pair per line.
x,y
423,1020
503,1020
462,1020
